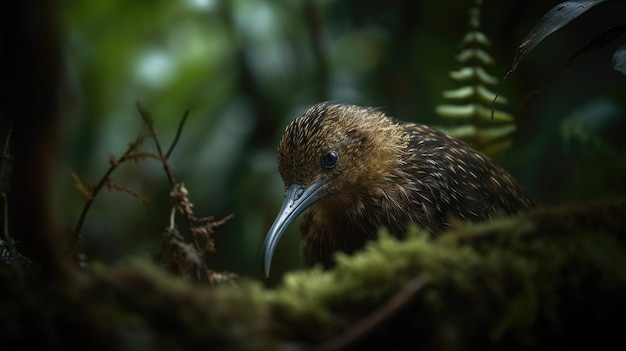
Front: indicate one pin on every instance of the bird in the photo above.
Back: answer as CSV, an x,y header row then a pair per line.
x,y
351,170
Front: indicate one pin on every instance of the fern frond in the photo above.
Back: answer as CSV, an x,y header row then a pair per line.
x,y
472,111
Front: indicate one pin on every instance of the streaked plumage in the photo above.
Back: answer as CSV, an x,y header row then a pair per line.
x,y
388,174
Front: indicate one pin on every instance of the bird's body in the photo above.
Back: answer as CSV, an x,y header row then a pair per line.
x,y
355,170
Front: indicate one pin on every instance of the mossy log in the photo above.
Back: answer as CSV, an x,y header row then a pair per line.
x,y
553,278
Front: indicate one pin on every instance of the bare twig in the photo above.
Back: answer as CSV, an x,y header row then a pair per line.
x,y
147,117
104,181
178,132
202,231
15,262
185,208
186,258
178,191
379,317
183,257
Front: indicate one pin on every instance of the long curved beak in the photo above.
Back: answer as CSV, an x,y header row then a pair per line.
x,y
297,199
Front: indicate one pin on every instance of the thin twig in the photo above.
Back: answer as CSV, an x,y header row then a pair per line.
x,y
179,193
114,164
15,260
150,122
379,317
178,132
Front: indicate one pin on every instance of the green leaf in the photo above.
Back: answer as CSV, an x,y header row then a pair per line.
x,y
478,91
484,76
467,73
476,54
476,37
485,135
487,95
460,93
463,132
499,116
466,112
457,112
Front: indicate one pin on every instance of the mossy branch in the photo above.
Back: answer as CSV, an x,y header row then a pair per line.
x,y
553,278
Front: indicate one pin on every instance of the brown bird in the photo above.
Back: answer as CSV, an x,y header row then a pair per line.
x,y
353,170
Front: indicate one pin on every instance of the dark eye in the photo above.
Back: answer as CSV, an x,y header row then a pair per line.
x,y
330,160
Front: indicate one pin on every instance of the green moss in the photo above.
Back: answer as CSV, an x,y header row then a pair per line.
x,y
178,313
507,282
553,278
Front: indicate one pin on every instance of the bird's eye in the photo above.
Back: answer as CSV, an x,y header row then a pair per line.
x,y
330,160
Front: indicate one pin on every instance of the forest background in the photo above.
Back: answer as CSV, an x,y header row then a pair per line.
x,y
244,69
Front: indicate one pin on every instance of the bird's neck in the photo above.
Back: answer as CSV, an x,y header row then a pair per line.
x,y
346,222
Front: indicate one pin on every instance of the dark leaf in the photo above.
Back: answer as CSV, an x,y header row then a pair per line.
x,y
553,20
601,40
619,60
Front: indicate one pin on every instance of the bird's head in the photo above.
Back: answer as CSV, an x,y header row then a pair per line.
x,y
331,152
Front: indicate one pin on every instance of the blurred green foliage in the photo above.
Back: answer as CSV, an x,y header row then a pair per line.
x,y
245,68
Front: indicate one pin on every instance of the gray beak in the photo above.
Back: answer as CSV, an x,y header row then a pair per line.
x,y
297,199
